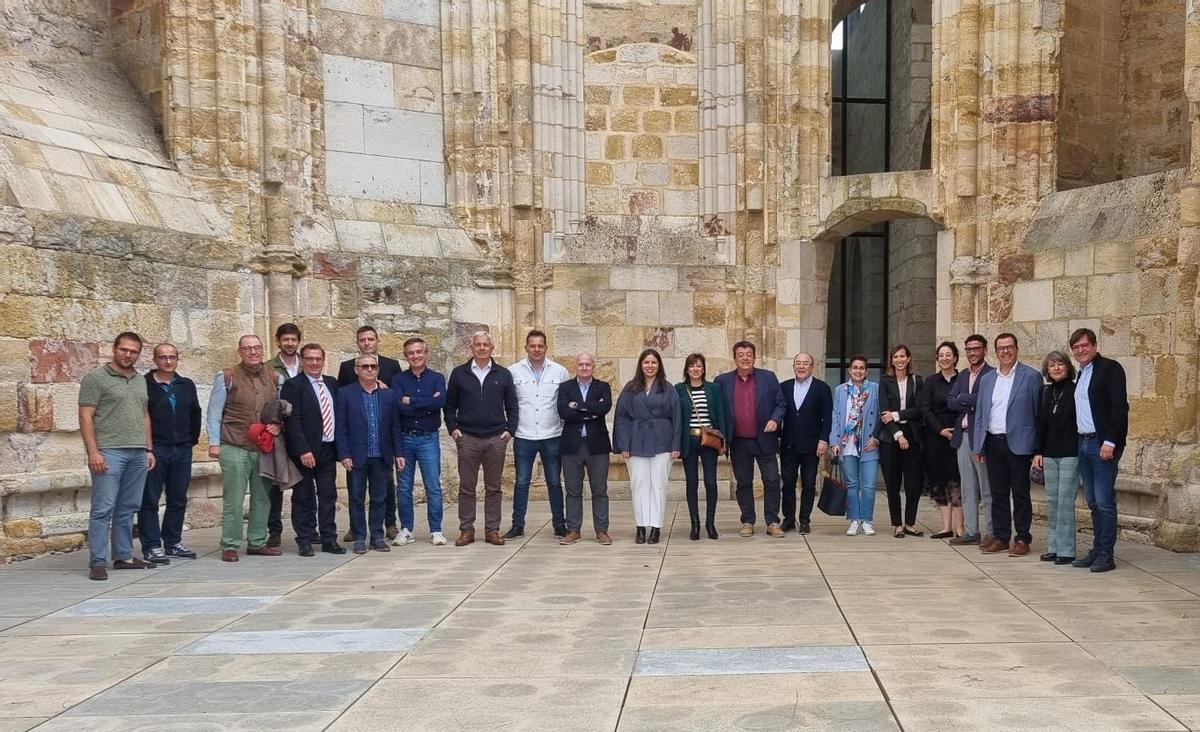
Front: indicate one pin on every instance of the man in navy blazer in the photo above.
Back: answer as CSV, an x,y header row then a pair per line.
x,y
312,445
755,407
369,443
1004,437
582,404
976,493
1102,420
806,425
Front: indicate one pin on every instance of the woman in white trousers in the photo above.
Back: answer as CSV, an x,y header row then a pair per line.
x,y
646,433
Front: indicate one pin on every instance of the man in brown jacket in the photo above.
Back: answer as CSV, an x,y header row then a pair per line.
x,y
238,396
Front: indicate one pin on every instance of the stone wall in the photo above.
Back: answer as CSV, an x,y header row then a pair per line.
x,y
135,40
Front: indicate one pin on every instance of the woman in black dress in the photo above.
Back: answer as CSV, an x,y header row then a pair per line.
x,y
941,463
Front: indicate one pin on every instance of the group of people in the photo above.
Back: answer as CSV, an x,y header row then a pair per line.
x,y
281,423
975,437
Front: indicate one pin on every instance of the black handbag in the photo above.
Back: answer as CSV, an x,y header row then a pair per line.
x,y
833,492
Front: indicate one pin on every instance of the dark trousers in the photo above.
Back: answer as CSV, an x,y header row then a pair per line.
x,y
902,467
700,458
1008,473
172,472
370,480
743,454
804,466
314,499
275,515
573,466
473,453
1100,491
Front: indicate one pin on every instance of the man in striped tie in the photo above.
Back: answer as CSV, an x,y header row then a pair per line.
x,y
310,444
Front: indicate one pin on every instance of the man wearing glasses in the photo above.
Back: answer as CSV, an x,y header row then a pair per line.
x,y
175,427
238,396
975,488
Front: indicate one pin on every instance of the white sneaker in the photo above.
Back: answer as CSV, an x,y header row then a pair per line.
x,y
853,529
437,539
404,537
868,529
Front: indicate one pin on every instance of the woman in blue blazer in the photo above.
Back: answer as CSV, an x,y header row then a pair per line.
x,y
852,442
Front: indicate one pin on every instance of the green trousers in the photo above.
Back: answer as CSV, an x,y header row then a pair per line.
x,y
239,469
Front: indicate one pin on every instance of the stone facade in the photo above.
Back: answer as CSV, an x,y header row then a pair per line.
x,y
622,173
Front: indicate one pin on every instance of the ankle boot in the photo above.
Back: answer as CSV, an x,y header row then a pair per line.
x,y
695,535
653,535
640,538
712,529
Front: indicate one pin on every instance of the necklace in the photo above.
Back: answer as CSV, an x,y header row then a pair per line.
x,y
1056,397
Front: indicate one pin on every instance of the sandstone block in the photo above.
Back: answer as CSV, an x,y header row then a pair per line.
x,y
1112,257
59,360
638,96
373,176
642,278
598,174
620,340
709,341
64,404
563,307
680,96
661,339
625,119
647,146
1152,335
1111,294
36,408
574,339
359,236
614,147
681,203
1070,297
1078,261
685,147
625,173
709,308
641,308
603,307
358,80
656,121
686,121
676,308
595,119
684,174
23,528
598,95
652,174
1033,300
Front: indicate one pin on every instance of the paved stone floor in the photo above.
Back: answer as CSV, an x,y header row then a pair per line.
x,y
825,633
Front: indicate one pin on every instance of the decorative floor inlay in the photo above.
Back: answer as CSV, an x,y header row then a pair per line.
x,y
396,640
168,606
726,661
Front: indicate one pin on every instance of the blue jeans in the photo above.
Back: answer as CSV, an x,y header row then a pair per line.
x,y
368,480
423,449
1100,492
116,496
1062,483
524,451
172,471
859,475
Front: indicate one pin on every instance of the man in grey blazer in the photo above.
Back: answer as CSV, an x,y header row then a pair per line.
x,y
1003,437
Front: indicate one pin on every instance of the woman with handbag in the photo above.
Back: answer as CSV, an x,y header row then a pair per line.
x,y
646,433
941,462
1056,450
702,419
852,442
900,441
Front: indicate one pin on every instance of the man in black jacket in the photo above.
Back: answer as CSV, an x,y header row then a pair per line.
x,y
481,416
1102,419
582,404
367,339
803,439
310,444
175,429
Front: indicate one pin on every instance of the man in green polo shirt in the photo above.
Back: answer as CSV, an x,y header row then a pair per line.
x,y
115,425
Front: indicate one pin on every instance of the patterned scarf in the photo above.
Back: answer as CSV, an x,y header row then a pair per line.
x,y
852,430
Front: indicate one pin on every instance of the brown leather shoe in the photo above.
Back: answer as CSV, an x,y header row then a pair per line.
x,y
229,555
464,538
274,540
571,537
1019,549
392,532
774,531
986,540
604,538
264,551
97,572
493,537
996,547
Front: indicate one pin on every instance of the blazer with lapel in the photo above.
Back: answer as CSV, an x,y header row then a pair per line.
x,y
589,411
304,428
1109,401
716,413
1020,422
962,399
388,368
889,401
804,425
768,405
350,425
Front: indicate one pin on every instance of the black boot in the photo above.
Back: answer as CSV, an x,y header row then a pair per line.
x,y
712,529
653,535
640,538
695,535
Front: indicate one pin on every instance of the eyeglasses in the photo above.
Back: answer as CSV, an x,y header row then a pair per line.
x,y
1005,349
368,366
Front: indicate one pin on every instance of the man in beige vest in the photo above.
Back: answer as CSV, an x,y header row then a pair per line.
x,y
238,396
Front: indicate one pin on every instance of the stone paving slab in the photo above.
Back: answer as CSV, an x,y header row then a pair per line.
x,y
538,636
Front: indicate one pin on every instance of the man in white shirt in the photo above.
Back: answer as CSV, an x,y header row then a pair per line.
x,y
1004,437
539,428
